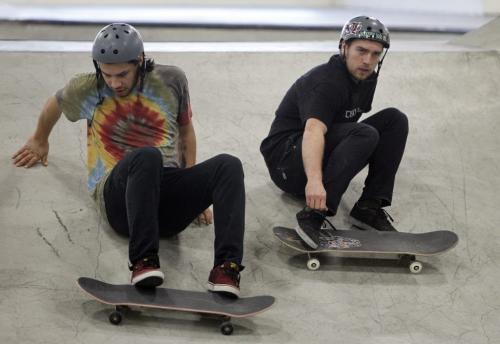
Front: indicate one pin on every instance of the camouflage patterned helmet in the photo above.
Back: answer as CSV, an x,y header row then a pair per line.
x,y
117,43
364,27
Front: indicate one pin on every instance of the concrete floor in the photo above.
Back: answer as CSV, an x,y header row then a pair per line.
x,y
448,179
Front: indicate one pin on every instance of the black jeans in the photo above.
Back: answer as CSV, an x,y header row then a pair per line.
x,y
378,141
145,201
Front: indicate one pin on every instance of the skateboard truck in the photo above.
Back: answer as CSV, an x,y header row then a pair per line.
x,y
414,266
409,260
116,317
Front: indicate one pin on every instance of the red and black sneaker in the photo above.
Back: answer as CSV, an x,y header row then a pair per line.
x,y
225,278
146,273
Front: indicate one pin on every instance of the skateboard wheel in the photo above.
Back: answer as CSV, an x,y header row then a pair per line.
x,y
226,328
115,318
122,309
313,264
415,267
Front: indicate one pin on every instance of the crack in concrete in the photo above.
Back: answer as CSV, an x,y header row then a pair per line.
x,y
47,242
193,275
100,247
63,226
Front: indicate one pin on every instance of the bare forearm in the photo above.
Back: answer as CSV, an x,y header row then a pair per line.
x,y
313,144
48,118
312,154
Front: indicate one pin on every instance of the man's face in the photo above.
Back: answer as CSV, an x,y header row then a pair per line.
x,y
120,77
362,57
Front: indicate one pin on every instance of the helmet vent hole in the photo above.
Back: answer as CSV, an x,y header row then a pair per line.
x,y
114,29
380,31
115,52
117,37
369,28
103,51
126,31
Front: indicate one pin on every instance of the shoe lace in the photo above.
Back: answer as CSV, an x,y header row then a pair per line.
x,y
148,262
322,217
231,272
384,215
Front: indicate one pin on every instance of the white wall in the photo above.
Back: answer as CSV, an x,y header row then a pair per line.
x,y
473,7
492,6
442,6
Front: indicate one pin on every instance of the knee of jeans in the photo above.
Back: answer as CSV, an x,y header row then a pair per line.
x,y
399,119
147,157
231,164
369,134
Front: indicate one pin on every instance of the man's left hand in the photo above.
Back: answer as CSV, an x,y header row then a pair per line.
x,y
205,218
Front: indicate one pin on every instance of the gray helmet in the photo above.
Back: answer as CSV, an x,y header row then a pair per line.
x,y
364,27
117,43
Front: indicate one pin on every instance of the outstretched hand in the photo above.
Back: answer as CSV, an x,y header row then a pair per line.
x,y
31,153
205,218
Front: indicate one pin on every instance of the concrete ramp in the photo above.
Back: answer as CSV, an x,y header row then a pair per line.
x,y
486,37
449,179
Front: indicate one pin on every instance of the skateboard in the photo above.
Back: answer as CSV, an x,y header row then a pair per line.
x,y
206,303
371,244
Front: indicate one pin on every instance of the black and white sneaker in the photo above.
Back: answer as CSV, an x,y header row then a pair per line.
x,y
375,218
310,222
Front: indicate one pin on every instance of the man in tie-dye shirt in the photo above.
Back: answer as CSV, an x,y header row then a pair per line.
x,y
138,117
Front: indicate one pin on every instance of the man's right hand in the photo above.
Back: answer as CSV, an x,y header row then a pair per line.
x,y
32,152
37,147
316,195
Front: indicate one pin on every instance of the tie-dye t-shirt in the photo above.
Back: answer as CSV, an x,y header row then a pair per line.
x,y
118,125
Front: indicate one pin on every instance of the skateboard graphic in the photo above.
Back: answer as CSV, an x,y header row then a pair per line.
x,y
224,307
371,244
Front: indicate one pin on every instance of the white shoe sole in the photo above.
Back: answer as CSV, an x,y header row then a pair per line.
x,y
224,288
306,238
361,225
149,279
365,226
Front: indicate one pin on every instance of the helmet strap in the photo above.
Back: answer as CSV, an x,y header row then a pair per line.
x,y
142,73
98,75
342,51
381,61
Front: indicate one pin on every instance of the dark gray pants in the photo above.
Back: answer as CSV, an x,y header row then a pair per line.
x,y
378,141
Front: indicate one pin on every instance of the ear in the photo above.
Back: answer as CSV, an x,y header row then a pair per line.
x,y
140,59
343,47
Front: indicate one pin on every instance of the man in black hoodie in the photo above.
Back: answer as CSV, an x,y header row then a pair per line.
x,y
316,144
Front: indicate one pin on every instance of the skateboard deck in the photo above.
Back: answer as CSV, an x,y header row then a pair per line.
x,y
371,244
126,295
